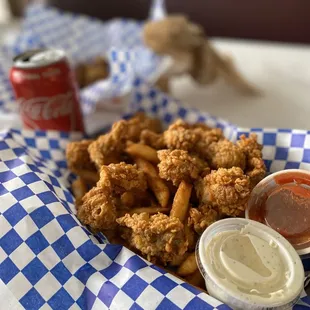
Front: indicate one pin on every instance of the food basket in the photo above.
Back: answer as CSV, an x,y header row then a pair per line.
x,y
50,261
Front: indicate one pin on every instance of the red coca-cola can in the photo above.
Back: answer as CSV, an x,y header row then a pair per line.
x,y
46,91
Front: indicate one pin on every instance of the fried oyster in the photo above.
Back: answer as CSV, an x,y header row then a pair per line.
x,y
179,165
158,237
226,190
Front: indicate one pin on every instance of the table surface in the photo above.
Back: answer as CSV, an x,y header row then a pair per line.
x,y
281,71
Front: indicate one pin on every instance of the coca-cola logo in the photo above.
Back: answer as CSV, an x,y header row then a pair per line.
x,y
47,108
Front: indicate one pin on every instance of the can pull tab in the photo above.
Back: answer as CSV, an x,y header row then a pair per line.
x,y
46,56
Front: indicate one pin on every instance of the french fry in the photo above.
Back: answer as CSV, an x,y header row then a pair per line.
x,y
196,279
146,167
88,176
181,201
160,190
189,266
157,185
142,151
150,210
79,188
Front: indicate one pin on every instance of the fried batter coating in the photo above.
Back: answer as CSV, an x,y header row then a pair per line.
x,y
224,154
158,237
140,122
255,166
98,210
178,166
256,170
107,148
191,138
78,157
191,237
136,199
226,190
121,178
202,217
206,137
152,139
250,145
180,136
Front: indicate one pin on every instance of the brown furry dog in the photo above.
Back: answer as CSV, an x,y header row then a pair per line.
x,y
192,53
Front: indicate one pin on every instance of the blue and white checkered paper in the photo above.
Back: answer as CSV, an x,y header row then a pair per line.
x,y
48,260
84,38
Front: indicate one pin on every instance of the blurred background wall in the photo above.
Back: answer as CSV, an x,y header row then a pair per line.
x,y
276,20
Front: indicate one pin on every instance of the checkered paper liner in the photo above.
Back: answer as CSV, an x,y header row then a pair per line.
x,y
48,260
84,38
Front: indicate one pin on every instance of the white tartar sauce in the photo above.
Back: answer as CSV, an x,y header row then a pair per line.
x,y
252,266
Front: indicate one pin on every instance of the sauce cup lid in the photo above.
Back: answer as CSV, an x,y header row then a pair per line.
x,y
294,274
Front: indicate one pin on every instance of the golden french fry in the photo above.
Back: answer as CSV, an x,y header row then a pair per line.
x,y
146,167
189,266
143,151
160,190
196,279
150,210
181,201
79,188
156,184
88,176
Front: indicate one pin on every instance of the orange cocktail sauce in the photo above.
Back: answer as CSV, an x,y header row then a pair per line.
x,y
286,208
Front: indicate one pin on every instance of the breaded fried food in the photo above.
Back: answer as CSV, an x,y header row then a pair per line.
x,y
121,178
158,237
226,190
98,210
255,166
202,217
179,165
224,154
256,170
136,199
140,122
180,135
78,157
107,148
206,137
152,139
191,138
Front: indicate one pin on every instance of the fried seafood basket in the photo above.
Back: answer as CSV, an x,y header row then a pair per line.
x,y
48,258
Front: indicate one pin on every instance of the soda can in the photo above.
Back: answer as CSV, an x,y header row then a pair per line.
x,y
46,91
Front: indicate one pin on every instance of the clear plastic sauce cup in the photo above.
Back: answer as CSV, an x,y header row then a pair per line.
x,y
282,202
248,265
